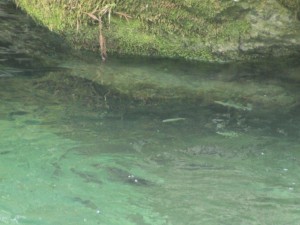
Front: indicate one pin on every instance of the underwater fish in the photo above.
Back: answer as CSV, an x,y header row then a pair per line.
x,y
173,120
18,113
87,177
86,202
230,134
234,105
124,176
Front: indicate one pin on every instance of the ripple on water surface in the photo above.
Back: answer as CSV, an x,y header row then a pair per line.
x,y
85,157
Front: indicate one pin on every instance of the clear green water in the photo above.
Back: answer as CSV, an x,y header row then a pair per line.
x,y
87,144
67,162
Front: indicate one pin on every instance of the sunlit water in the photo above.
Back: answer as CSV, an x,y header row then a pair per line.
x,y
71,157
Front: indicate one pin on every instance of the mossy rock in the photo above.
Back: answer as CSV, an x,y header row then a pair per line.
x,y
207,30
293,5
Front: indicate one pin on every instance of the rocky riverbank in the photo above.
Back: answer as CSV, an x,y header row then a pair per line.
x,y
199,30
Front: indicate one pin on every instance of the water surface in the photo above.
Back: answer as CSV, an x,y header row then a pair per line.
x,y
76,148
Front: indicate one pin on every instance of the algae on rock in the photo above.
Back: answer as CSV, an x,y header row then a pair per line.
x,y
207,30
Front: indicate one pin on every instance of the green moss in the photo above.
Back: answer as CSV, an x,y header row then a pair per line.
x,y
290,4
293,5
165,28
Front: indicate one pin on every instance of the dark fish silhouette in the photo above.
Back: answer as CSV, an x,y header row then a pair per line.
x,y
126,177
87,177
86,202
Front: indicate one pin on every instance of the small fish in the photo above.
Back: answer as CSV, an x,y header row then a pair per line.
x,y
173,120
86,202
4,152
124,176
18,113
87,177
5,75
237,106
230,134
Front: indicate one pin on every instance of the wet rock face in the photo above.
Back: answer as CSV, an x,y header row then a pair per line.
x,y
209,30
293,5
274,31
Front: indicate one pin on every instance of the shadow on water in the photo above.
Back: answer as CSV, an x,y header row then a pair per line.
x,y
147,141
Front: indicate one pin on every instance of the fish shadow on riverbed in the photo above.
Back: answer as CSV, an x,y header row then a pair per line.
x,y
88,177
120,175
86,202
114,174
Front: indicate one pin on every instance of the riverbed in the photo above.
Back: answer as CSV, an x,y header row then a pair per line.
x,y
148,141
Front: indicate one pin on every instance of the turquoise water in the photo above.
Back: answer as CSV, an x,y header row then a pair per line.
x,y
147,142
65,161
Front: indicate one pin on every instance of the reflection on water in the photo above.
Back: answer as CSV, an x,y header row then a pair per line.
x,y
74,150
